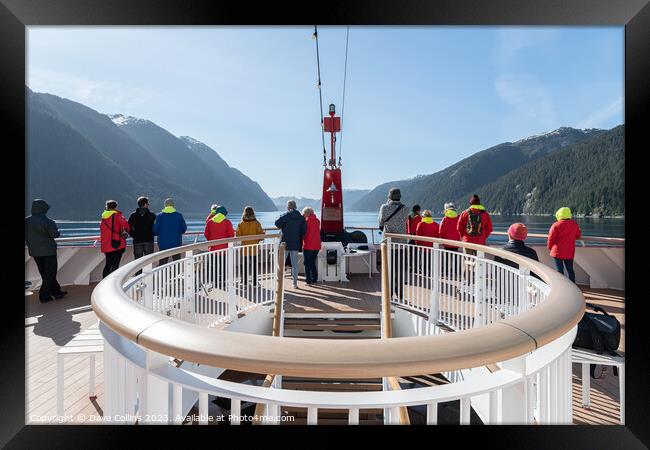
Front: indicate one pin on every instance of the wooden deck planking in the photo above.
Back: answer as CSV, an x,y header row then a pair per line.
x,y
50,326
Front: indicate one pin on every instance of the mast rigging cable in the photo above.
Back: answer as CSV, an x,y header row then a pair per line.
x,y
320,94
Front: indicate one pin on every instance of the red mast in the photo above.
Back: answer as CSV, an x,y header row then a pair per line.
x,y
332,203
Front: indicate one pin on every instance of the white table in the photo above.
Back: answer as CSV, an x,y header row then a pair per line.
x,y
587,357
361,254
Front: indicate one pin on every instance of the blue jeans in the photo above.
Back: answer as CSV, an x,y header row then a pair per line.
x,y
293,255
568,263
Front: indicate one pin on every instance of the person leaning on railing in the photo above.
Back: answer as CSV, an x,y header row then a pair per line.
x,y
517,233
113,229
429,228
293,227
561,242
392,219
40,232
169,227
219,227
311,245
474,224
249,226
141,222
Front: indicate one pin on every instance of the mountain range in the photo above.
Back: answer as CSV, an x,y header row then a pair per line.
x,y
565,167
77,158
350,197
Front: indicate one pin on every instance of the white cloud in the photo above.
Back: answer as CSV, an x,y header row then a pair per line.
x,y
600,117
528,96
95,93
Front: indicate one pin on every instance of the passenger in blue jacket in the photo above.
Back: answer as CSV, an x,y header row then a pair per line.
x,y
169,227
293,227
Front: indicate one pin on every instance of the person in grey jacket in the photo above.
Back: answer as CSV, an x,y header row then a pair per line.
x,y
392,219
40,232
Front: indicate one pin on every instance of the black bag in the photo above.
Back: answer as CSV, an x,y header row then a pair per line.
x,y
381,227
115,243
599,332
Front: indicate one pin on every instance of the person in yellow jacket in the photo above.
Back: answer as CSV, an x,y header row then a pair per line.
x,y
249,226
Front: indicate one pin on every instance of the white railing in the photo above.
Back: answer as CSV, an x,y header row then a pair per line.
x,y
176,302
209,287
459,290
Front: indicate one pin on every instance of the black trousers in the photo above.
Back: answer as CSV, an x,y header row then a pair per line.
x,y
47,267
112,262
140,249
311,271
252,262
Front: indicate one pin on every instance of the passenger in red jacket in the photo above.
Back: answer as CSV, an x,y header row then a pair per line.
x,y
474,224
113,231
562,241
311,245
412,221
427,227
449,226
218,227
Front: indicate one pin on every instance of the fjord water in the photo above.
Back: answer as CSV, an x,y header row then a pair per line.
x,y
604,227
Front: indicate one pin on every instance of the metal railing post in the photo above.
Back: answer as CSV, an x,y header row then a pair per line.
x,y
147,278
230,281
435,287
189,282
524,303
385,291
479,289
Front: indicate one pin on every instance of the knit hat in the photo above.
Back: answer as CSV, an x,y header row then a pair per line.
x,y
416,208
221,210
450,206
474,200
394,194
518,231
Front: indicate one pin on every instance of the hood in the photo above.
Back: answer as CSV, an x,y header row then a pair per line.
x,y
106,214
169,209
452,214
479,207
40,206
218,218
563,213
427,219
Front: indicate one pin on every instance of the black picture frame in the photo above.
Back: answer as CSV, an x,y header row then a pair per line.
x,y
15,15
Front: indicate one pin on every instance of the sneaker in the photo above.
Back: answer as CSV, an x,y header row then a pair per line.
x,y
294,285
60,295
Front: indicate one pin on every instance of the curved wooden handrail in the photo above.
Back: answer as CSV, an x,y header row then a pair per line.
x,y
370,358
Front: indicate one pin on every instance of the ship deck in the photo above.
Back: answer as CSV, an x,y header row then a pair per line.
x,y
50,326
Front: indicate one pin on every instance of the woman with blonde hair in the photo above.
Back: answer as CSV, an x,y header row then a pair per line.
x,y
311,245
249,226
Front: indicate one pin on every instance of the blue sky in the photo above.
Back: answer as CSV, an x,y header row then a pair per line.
x,y
417,98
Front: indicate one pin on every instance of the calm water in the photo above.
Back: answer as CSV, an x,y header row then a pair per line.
x,y
604,227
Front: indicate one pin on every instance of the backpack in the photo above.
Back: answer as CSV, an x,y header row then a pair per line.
x,y
474,223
